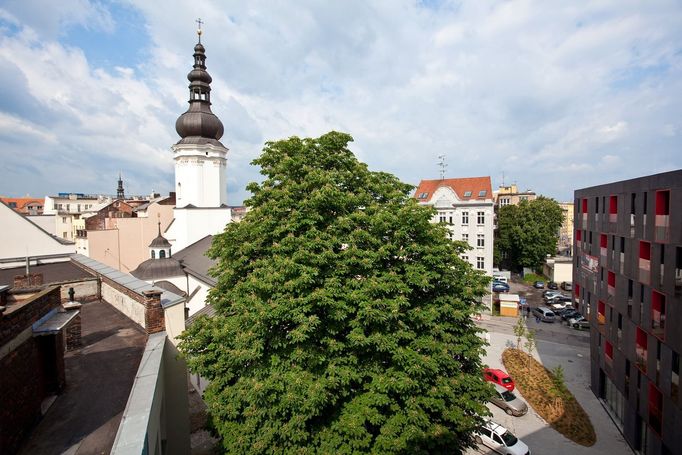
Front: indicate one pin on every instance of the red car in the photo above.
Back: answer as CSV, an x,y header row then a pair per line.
x,y
498,377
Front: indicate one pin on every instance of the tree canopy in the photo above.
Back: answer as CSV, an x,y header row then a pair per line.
x,y
527,232
343,318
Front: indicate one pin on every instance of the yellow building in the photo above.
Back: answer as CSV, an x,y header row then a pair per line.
x,y
510,195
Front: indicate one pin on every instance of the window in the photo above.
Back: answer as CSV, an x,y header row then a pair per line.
x,y
64,235
162,254
504,201
641,349
658,314
153,254
63,219
465,237
480,240
480,263
441,218
480,218
465,257
608,352
13,205
467,194
450,219
465,218
482,193
423,195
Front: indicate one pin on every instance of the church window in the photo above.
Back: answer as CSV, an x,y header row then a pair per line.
x,y
162,254
153,254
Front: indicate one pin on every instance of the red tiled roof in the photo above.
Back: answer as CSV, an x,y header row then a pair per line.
x,y
21,202
461,187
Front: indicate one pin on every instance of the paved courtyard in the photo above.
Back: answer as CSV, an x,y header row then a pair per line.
x,y
557,345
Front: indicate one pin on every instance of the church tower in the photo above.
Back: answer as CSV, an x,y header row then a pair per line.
x,y
120,193
200,164
200,157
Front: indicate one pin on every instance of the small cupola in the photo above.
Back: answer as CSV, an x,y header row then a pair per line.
x,y
160,248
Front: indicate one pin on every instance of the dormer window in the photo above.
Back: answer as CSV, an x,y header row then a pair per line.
x,y
482,193
422,195
467,194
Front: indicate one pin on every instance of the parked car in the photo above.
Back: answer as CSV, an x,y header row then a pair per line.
x,y
501,440
548,294
510,403
559,305
501,278
570,314
561,311
539,285
498,377
499,286
552,285
582,325
575,319
553,298
544,313
566,286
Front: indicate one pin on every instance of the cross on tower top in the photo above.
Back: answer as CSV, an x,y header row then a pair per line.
x,y
199,22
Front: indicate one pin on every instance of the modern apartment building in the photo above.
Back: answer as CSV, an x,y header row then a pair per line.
x,y
628,283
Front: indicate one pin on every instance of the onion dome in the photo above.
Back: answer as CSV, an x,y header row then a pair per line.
x,y
199,125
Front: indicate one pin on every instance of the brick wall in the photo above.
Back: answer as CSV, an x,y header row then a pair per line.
x,y
32,280
14,321
30,371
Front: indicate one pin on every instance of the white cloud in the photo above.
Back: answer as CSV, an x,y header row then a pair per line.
x,y
540,91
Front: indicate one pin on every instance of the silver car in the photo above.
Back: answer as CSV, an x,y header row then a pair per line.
x,y
506,400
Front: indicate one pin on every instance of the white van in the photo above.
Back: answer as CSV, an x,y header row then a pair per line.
x,y
501,278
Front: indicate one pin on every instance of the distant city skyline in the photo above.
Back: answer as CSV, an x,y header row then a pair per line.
x,y
553,96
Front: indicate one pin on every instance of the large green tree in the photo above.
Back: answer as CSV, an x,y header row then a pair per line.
x,y
343,315
527,232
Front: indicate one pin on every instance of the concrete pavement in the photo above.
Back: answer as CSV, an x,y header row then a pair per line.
x,y
557,345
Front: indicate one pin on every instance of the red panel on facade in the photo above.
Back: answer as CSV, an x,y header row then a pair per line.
x,y
601,307
655,399
608,350
584,206
577,290
612,279
579,235
603,241
663,202
645,250
613,205
641,338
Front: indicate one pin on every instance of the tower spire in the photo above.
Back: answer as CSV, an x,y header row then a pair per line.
x,y
120,194
199,125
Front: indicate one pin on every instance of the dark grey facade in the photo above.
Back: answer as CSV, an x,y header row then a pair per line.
x,y
628,283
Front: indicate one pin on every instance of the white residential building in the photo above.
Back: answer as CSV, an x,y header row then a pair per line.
x,y
466,207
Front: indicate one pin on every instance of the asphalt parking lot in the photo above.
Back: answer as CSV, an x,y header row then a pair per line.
x,y
556,345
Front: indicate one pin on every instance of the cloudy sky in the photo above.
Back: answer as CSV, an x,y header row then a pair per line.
x,y
552,95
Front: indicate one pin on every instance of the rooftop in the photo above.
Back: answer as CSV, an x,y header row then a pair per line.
x,y
83,419
467,188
